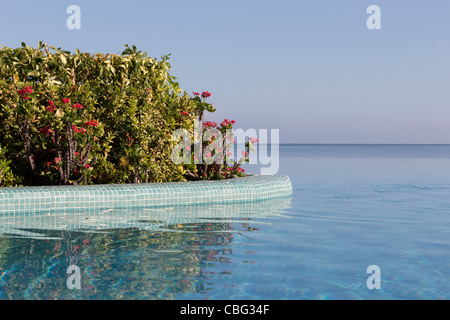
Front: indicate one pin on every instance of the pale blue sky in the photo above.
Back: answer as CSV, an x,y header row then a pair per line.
x,y
309,68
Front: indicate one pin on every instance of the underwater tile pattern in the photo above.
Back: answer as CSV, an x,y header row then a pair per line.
x,y
93,198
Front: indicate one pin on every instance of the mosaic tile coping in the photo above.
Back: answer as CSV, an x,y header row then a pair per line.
x,y
145,195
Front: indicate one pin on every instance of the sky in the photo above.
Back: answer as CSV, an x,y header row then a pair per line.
x,y
311,69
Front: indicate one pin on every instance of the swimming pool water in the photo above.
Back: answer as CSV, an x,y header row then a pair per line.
x,y
352,206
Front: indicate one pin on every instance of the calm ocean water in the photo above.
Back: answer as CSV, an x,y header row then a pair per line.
x,y
353,206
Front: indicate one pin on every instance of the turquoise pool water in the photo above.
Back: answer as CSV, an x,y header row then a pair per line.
x,y
352,206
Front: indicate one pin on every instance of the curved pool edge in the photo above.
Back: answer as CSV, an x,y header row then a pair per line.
x,y
148,195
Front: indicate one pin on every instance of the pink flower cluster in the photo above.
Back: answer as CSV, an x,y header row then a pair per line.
x,y
51,106
205,94
25,91
57,160
92,123
78,130
209,124
227,123
239,169
46,130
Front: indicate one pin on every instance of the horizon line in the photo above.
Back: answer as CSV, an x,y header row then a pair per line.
x,y
350,143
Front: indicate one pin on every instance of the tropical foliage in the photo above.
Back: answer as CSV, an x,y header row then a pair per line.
x,y
86,118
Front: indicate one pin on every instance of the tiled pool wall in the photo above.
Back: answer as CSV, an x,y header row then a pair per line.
x,y
42,224
93,198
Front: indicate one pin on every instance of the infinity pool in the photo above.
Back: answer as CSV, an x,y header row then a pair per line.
x,y
352,207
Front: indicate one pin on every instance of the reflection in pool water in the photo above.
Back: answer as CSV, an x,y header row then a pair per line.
x,y
141,254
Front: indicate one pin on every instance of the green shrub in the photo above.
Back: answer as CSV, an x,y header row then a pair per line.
x,y
7,178
82,119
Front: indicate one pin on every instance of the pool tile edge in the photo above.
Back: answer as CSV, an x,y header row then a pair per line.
x,y
151,195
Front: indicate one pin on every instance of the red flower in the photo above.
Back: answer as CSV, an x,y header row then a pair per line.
x,y
196,94
226,123
50,108
131,140
77,105
209,124
65,100
46,130
86,166
93,123
206,94
25,91
79,130
49,163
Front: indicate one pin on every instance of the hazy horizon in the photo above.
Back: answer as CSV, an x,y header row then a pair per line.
x,y
368,144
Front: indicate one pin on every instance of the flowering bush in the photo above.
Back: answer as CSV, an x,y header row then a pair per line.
x,y
213,161
81,118
85,119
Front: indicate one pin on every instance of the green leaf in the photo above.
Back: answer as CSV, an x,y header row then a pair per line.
x,y
63,59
